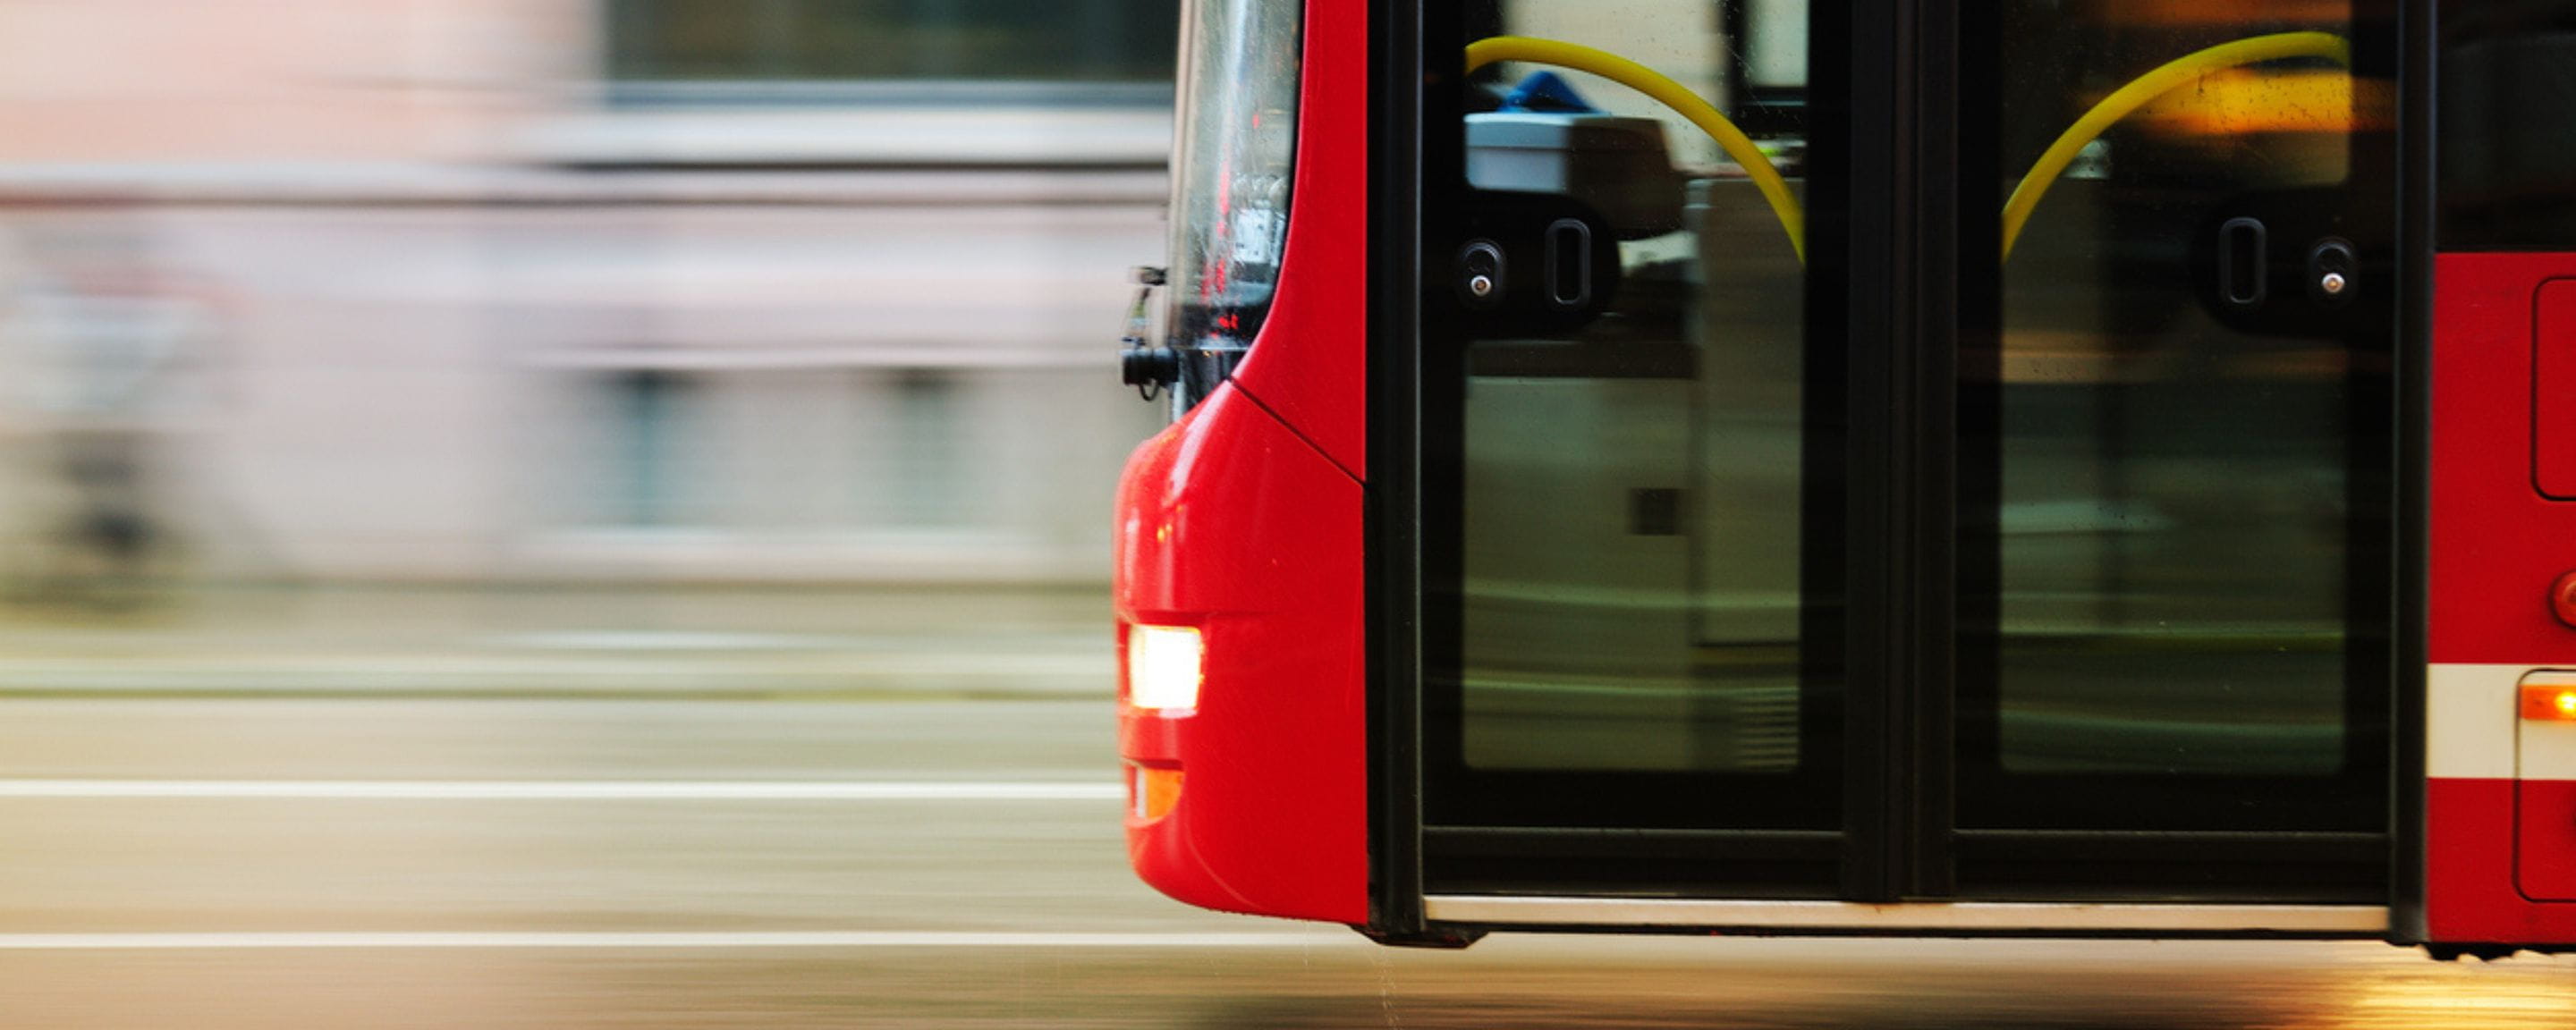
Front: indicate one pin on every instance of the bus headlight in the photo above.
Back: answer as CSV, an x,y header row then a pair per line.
x,y
1163,667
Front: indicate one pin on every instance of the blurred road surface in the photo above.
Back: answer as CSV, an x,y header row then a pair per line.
x,y
895,851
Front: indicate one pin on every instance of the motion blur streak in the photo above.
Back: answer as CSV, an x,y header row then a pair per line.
x,y
593,513
299,912
810,939
637,790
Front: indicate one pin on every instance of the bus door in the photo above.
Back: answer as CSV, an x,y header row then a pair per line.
x,y
1949,466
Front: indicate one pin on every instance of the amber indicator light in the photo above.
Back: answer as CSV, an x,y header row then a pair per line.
x,y
1152,791
2549,702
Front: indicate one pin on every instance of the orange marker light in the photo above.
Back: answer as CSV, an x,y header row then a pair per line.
x,y
1152,791
2549,702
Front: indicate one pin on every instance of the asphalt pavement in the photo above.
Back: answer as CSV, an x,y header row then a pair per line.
x,y
808,819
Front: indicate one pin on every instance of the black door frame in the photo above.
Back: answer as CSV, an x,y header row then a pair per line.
x,y
1913,170
1902,146
1856,221
2323,860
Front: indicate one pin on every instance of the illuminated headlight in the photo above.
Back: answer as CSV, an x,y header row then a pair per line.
x,y
1163,667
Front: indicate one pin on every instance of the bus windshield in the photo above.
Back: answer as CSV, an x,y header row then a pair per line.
x,y
1232,160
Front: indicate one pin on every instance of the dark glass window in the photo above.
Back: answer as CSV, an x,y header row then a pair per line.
x,y
1635,534
1233,163
1088,41
2508,151
2173,511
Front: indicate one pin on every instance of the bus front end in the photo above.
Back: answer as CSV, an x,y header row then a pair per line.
x,y
1238,583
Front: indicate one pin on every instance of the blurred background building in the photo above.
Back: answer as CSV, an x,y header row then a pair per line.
x,y
492,291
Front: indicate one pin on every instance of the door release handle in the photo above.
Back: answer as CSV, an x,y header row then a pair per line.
x,y
2240,262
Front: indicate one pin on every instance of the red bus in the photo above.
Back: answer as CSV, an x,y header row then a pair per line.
x,y
2048,467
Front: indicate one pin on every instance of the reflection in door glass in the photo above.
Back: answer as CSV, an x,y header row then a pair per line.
x,y
2174,427
1632,476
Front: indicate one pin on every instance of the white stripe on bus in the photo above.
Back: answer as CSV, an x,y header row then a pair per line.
x,y
2471,718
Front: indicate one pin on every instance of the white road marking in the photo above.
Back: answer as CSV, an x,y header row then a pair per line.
x,y
681,939
564,790
805,938
667,640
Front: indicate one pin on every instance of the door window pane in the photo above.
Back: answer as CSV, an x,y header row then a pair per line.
x,y
1632,494
2177,401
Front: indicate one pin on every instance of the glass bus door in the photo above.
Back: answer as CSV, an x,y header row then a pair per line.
x,y
2173,498
1785,541
1633,676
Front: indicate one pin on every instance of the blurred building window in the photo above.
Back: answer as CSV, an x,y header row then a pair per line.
x,y
928,487
1106,43
649,463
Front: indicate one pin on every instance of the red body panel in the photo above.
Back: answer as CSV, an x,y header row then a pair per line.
x,y
2545,839
1230,523
2472,892
1310,364
1244,520
2554,355
2469,894
2498,547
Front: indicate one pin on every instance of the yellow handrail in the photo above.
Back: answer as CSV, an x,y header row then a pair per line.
x,y
2025,196
2126,99
1671,94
